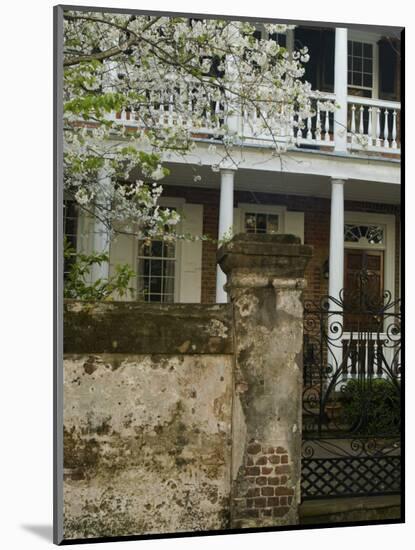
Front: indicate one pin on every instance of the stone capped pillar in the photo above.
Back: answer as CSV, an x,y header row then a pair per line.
x,y
265,275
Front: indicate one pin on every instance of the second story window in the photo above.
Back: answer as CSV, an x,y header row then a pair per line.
x,y
360,68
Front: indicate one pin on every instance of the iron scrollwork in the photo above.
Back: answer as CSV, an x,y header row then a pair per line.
x,y
351,396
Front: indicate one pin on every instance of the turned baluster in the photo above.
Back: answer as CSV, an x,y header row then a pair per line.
x,y
386,130
353,124
318,124
327,127
394,144
369,127
361,126
309,133
299,130
378,143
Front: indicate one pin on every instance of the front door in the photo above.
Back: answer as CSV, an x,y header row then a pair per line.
x,y
363,289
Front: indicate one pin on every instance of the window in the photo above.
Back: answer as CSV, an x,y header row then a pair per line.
x,y
360,68
256,222
364,234
156,271
70,223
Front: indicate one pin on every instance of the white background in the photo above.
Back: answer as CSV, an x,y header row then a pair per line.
x,y
26,127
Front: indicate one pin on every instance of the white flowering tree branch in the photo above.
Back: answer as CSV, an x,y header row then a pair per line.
x,y
137,64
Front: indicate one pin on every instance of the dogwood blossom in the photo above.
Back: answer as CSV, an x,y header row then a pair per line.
x,y
138,86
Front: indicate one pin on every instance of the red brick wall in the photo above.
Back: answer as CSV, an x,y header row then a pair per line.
x,y
316,230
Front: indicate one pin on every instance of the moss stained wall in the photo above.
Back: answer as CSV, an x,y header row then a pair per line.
x,y
147,436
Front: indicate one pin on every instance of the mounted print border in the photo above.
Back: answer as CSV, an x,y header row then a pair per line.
x,y
228,275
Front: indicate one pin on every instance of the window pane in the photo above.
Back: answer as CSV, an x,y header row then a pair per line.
x,y
250,223
261,223
367,65
156,268
155,284
168,286
169,250
357,49
156,248
357,64
367,80
143,249
145,270
168,268
367,50
357,79
273,223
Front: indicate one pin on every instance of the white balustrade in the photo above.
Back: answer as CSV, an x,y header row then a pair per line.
x,y
373,124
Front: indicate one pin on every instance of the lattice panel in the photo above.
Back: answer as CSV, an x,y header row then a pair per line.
x,y
350,476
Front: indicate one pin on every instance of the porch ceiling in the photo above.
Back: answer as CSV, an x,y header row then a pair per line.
x,y
284,183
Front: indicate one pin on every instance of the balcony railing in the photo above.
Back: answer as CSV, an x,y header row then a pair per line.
x,y
316,131
373,125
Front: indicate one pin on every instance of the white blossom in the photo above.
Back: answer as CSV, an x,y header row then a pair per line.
x,y
163,84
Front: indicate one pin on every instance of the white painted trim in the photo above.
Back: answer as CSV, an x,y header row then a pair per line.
x,y
363,36
368,38
388,221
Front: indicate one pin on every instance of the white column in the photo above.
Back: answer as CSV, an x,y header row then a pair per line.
x,y
336,272
101,241
340,90
336,257
289,41
225,225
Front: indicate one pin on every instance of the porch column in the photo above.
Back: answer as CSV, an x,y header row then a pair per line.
x,y
340,90
225,225
101,240
290,40
336,258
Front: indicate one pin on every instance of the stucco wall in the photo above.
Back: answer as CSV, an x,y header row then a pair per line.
x,y
147,444
187,417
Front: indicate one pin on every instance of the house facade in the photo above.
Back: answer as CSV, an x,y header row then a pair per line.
x,y
337,187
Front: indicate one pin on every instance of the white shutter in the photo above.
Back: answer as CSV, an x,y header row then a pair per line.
x,y
294,224
122,251
190,257
85,233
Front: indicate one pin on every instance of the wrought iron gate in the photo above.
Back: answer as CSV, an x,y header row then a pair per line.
x,y
351,397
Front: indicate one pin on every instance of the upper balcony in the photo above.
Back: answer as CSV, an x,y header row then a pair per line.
x,y
358,72
373,125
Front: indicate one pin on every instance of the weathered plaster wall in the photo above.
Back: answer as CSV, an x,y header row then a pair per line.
x,y
147,444
265,281
187,417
